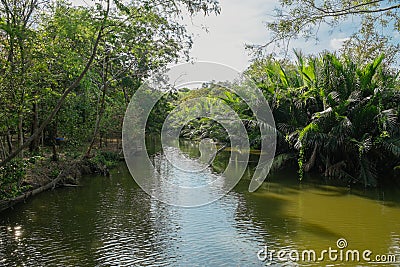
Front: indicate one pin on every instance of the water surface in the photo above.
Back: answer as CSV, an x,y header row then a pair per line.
x,y
110,221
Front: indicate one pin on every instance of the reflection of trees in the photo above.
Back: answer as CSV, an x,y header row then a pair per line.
x,y
56,228
111,220
269,213
299,216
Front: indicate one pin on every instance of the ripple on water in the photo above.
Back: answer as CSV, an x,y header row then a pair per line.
x,y
110,221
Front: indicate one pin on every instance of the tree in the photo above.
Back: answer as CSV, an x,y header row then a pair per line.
x,y
15,25
69,45
303,18
368,43
340,118
67,91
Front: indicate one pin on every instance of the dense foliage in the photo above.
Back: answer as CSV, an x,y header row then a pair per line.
x,y
340,118
333,116
67,72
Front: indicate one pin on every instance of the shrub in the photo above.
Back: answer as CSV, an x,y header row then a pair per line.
x,y
11,177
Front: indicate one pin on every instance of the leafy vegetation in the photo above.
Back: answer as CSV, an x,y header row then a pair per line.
x,y
105,158
336,117
372,25
341,117
68,72
11,177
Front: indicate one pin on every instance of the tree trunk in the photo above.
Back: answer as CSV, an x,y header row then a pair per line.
x,y
310,164
3,148
9,141
100,113
20,133
34,146
54,157
126,96
9,203
53,137
327,166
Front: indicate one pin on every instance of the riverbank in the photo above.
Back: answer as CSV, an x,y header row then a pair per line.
x,y
30,176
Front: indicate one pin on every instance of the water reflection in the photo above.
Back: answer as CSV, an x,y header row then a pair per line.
x,y
309,217
110,221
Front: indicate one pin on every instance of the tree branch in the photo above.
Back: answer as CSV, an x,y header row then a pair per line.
x,y
345,9
368,11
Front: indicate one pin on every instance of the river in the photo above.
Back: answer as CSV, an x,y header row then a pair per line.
x,y
110,221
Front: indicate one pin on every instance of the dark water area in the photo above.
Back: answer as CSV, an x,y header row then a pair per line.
x,y
111,221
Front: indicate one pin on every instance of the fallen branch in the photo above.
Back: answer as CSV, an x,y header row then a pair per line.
x,y
5,204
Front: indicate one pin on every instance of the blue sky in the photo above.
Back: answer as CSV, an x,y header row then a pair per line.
x,y
242,22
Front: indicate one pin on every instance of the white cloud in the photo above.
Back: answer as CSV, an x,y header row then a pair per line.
x,y
240,23
337,43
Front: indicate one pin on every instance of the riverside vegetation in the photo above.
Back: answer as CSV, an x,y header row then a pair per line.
x,y
333,116
67,75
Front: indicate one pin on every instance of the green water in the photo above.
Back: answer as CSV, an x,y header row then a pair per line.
x,y
110,221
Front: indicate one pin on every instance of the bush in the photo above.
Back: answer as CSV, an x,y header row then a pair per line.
x,y
11,177
106,158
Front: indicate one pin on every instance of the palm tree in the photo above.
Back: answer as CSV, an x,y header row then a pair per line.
x,y
339,117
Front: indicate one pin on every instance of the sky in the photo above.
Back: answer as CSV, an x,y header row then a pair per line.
x,y
239,22
243,22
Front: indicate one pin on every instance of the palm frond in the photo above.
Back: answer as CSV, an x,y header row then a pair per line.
x,y
392,145
368,172
389,119
283,76
368,72
286,128
281,160
354,96
323,113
